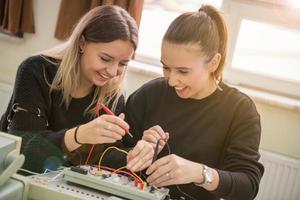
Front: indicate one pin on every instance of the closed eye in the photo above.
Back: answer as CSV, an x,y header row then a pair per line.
x,y
105,59
183,71
166,68
123,64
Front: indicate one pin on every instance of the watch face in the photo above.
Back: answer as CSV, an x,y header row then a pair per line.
x,y
209,176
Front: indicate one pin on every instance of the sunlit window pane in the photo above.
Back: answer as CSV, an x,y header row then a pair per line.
x,y
153,26
157,16
268,50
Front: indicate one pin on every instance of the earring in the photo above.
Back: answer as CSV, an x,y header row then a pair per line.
x,y
217,82
81,51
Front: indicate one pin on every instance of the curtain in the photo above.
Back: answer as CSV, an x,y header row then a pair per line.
x,y
71,11
16,17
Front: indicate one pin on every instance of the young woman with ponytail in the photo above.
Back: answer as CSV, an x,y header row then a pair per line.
x,y
212,130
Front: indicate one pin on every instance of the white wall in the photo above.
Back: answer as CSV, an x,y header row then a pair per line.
x,y
5,94
280,126
13,51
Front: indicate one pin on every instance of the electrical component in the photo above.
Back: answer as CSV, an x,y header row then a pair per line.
x,y
116,184
51,185
79,170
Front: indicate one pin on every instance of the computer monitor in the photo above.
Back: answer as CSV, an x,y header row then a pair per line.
x,y
10,158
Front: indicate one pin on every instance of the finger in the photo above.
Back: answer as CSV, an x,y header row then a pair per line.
x,y
157,164
161,179
150,138
129,155
159,131
167,136
162,143
109,134
138,148
104,140
166,183
138,162
135,164
159,175
145,165
147,149
141,150
114,128
122,116
152,132
116,120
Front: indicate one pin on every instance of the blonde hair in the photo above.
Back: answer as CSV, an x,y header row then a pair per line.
x,y
101,24
206,29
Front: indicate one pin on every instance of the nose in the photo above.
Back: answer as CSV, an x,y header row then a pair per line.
x,y
172,79
112,70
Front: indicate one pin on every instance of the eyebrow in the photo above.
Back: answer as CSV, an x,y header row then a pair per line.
x,y
107,55
185,68
113,57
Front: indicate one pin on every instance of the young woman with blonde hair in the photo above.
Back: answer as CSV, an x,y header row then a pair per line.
x,y
213,130
56,92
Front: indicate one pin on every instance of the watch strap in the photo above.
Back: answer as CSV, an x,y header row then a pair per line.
x,y
204,167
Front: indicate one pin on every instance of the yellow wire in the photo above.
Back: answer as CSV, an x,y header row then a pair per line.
x,y
119,169
132,173
123,151
112,147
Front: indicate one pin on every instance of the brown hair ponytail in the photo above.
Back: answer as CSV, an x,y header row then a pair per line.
x,y
223,36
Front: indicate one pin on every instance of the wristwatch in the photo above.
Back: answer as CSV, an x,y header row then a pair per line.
x,y
208,176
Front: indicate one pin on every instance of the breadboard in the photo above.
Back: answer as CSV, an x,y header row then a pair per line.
x,y
51,186
117,184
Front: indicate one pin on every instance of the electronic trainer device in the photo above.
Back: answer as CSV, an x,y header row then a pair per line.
x,y
75,183
117,184
51,186
79,183
10,162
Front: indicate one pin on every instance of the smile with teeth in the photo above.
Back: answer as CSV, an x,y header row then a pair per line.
x,y
179,88
103,75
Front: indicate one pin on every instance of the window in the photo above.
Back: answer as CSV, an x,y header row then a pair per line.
x,y
268,50
264,40
264,45
157,16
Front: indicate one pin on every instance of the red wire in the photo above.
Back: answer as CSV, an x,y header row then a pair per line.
x,y
90,153
97,109
115,171
92,148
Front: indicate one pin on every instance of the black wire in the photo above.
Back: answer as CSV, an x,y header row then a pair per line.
x,y
185,194
177,186
156,150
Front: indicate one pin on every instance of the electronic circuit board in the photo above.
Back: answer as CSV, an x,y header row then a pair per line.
x,y
51,185
114,183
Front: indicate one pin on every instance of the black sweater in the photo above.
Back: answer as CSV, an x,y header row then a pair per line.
x,y
43,126
221,131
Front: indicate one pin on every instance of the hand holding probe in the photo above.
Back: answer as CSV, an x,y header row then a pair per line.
x,y
106,109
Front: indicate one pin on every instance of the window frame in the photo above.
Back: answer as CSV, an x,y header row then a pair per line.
x,y
260,11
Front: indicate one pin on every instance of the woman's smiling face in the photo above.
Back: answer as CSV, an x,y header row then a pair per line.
x,y
101,62
187,70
